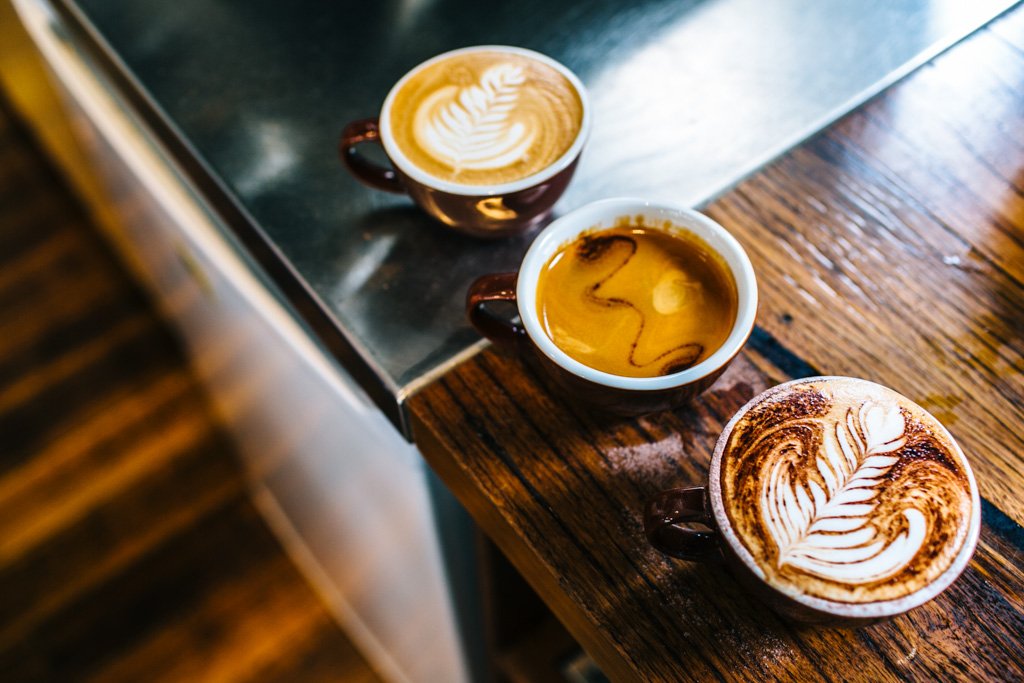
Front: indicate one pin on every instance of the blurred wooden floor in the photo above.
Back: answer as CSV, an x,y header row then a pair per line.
x,y
129,550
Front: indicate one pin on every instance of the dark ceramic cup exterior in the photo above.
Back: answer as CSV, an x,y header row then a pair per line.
x,y
614,394
669,516
487,211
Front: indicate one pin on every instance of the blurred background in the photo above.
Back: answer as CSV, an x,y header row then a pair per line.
x,y
129,548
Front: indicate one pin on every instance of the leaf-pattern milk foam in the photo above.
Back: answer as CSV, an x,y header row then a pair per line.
x,y
844,490
485,117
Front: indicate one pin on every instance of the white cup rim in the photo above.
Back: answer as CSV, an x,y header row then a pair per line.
x,y
406,166
602,214
869,610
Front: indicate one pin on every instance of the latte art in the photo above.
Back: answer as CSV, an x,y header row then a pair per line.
x,y
826,530
485,117
472,128
844,490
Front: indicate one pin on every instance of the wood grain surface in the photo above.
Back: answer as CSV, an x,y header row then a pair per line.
x,y
891,247
129,550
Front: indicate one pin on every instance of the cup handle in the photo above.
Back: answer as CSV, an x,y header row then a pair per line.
x,y
374,175
495,287
673,507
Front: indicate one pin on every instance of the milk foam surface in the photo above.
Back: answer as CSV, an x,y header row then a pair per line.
x,y
484,118
844,490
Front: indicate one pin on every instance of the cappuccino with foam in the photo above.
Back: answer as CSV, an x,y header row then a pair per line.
x,y
485,117
841,490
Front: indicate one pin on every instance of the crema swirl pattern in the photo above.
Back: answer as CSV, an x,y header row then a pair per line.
x,y
846,491
484,118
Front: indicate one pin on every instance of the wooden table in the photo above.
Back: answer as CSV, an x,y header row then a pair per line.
x,y
889,247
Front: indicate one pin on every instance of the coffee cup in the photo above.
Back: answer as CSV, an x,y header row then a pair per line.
x,y
484,139
837,500
641,290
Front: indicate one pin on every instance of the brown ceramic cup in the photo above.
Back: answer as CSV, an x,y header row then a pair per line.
x,y
611,393
846,488
488,211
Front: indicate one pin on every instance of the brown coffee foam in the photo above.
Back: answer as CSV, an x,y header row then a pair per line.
x,y
501,107
928,476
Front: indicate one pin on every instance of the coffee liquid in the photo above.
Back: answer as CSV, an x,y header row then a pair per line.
x,y
845,490
485,118
637,301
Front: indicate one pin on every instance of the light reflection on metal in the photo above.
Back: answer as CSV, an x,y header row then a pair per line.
x,y
361,269
273,157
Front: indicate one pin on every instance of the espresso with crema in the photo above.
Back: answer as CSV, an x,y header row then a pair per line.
x,y
637,300
485,117
845,490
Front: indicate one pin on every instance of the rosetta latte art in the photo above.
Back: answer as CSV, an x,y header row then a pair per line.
x,y
472,128
485,117
845,490
827,531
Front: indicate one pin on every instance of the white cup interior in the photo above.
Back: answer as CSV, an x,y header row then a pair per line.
x,y
410,169
603,214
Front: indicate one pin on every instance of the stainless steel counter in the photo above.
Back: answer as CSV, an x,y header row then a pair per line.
x,y
688,97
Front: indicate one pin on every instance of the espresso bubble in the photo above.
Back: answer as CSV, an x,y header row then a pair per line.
x,y
637,301
485,117
844,490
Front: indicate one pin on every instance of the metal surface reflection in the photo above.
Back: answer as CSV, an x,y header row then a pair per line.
x,y
688,98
